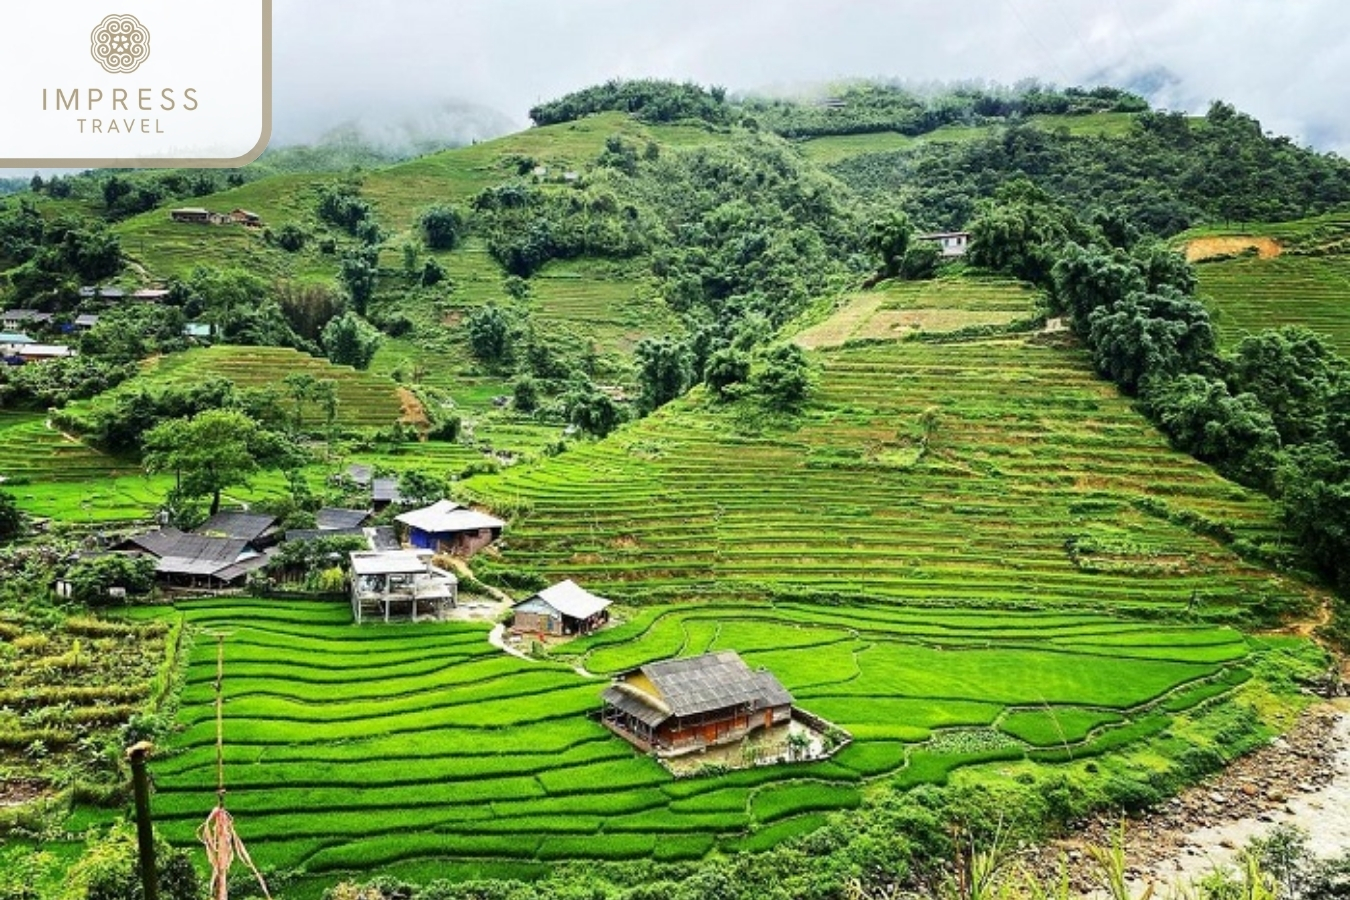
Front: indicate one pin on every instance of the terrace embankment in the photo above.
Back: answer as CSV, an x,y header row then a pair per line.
x,y
1300,779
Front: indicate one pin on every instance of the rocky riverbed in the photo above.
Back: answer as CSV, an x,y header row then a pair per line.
x,y
1301,779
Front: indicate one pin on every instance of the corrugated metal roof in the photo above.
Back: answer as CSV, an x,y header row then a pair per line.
x,y
712,681
388,562
448,517
331,518
385,490
570,599
247,526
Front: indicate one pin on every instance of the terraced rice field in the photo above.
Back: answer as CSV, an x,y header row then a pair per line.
x,y
1254,294
900,308
30,451
370,748
364,399
995,471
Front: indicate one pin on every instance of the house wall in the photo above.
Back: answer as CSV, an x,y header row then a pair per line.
x,y
459,543
537,623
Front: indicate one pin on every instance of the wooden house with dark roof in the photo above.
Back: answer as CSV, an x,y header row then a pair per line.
x,y
682,705
191,560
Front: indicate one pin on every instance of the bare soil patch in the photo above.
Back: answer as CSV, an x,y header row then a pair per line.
x,y
1205,248
414,413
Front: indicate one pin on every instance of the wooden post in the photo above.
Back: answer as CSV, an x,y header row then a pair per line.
x,y
145,835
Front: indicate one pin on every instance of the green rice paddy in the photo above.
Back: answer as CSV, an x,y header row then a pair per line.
x,y
360,749
921,473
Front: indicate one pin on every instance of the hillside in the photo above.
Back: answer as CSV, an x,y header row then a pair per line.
x,y
694,351
1268,276
984,472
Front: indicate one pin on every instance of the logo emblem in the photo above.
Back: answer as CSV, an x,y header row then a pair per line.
x,y
120,44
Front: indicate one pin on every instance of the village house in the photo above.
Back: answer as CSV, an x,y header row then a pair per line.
x,y
246,218
11,319
21,354
187,560
951,243
85,321
219,554
386,583
384,493
10,339
448,527
103,292
679,706
150,295
564,609
200,330
193,215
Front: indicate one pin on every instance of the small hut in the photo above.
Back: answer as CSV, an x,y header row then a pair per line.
x,y
566,608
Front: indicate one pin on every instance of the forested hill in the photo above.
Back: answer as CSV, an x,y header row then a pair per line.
x,y
937,154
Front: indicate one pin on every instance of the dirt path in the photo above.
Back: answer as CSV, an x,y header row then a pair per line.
x,y
497,637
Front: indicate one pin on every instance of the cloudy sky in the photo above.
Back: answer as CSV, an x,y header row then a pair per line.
x,y
452,70
396,64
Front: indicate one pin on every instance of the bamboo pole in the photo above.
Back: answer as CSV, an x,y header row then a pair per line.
x,y
145,834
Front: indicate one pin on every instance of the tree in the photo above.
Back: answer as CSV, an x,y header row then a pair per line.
x,y
419,488
1086,279
1162,267
784,381
525,394
350,340
888,237
591,409
921,260
491,333
301,386
92,579
291,237
1294,372
725,368
1020,230
1314,486
665,369
359,272
1235,434
443,227
214,450
11,520
433,273
1150,335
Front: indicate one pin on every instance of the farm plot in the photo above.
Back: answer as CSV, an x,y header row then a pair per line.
x,y
1254,294
363,399
900,308
362,748
987,472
